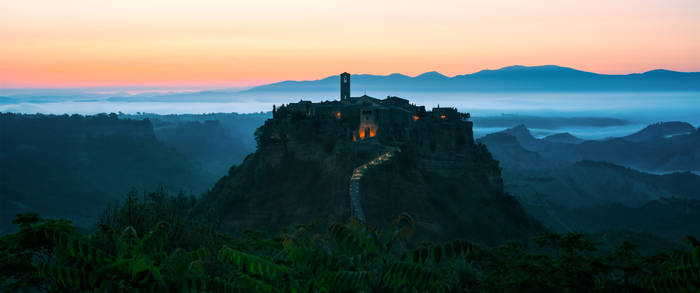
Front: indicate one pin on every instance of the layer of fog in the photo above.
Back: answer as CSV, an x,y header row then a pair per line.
x,y
639,109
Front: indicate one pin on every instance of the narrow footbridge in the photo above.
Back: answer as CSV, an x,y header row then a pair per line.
x,y
355,204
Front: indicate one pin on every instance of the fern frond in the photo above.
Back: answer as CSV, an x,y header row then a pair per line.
x,y
65,276
408,276
354,239
345,281
438,252
247,283
680,273
251,264
81,249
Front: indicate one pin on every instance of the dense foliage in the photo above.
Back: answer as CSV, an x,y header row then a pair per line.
x,y
72,166
152,244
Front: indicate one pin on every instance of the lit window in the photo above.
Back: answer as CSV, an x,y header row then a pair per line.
x,y
337,115
443,116
415,118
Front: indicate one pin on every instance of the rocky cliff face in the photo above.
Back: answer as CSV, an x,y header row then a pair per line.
x,y
301,171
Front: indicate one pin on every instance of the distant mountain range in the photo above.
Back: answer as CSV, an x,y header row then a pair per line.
x,y
511,78
546,78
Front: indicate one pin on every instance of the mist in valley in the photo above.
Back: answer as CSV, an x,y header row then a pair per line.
x,y
616,167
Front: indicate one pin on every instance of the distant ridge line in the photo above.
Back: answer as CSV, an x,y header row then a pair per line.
x,y
510,78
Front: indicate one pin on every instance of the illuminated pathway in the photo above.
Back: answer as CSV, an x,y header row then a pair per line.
x,y
355,205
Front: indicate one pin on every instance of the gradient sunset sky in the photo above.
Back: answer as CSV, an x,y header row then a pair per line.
x,y
76,43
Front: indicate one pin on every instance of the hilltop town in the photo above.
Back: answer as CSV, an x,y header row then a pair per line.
x,y
369,159
389,120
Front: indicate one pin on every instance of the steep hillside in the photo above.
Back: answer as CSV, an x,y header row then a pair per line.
x,y
468,203
301,171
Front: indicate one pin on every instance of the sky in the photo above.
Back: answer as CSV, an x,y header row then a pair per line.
x,y
233,43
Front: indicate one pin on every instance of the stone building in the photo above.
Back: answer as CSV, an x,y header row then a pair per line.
x,y
367,118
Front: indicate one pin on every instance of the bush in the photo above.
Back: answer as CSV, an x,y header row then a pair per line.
x,y
150,244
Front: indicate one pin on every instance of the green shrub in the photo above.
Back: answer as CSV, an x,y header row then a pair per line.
x,y
151,244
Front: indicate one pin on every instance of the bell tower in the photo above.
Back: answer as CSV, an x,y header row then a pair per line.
x,y
344,86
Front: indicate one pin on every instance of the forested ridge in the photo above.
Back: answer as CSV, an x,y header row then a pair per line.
x,y
73,166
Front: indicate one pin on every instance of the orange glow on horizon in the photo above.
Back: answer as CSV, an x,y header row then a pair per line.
x,y
218,43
